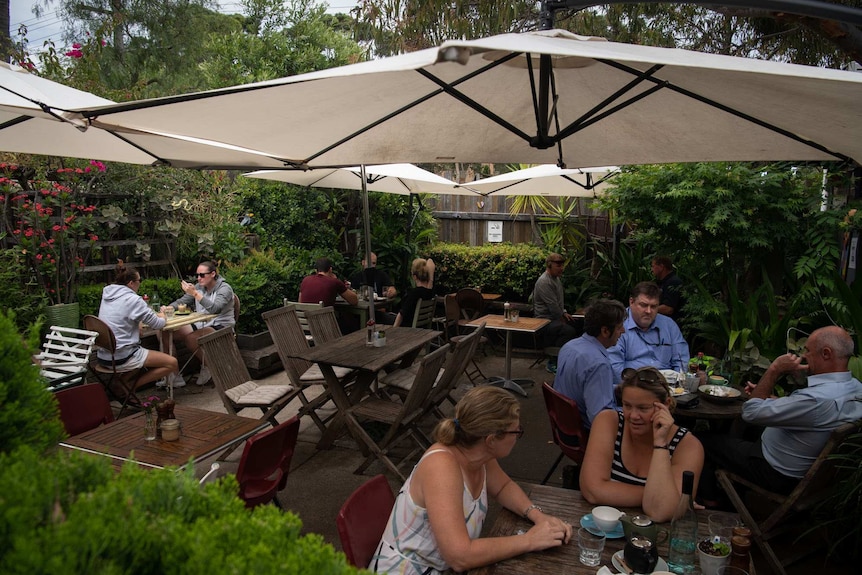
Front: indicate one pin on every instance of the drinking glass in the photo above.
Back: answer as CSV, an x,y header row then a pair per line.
x,y
591,544
722,524
169,312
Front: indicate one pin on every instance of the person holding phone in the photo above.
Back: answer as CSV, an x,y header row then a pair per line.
x,y
210,295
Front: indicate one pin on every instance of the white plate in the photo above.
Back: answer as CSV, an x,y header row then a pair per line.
x,y
617,561
677,391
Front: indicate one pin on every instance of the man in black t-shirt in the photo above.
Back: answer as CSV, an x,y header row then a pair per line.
x,y
379,279
671,288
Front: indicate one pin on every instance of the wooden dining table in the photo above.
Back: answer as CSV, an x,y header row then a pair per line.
x,y
569,505
166,337
361,308
203,434
524,324
403,345
723,416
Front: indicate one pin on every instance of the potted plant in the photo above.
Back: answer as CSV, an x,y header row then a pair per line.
x,y
52,232
713,553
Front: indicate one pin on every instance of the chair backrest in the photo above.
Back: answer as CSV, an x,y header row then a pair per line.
x,y
105,338
66,352
362,519
265,462
224,360
289,340
566,423
425,378
424,315
301,309
471,302
83,408
462,352
323,324
236,308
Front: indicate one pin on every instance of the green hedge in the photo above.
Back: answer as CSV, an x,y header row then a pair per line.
x,y
508,269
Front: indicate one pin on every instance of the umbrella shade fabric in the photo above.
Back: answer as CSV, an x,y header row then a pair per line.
x,y
547,180
389,178
519,98
36,118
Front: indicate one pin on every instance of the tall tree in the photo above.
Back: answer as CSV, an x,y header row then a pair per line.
x,y
405,25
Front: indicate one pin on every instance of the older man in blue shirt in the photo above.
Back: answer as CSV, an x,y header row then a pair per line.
x,y
584,371
797,426
650,339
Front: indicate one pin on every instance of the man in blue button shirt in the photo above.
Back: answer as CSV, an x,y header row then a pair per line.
x,y
584,371
797,426
650,339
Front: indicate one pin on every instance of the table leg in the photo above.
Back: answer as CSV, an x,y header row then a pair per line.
x,y
513,385
342,401
168,348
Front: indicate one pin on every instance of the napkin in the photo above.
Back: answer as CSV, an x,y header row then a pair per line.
x,y
603,570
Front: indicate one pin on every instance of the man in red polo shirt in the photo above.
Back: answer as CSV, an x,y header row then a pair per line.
x,y
323,285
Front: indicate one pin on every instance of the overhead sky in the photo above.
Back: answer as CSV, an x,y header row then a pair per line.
x,y
49,25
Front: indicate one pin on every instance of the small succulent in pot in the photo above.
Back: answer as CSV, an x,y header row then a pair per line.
x,y
715,546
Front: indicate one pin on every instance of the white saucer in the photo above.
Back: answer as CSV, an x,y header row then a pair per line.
x,y
589,523
617,561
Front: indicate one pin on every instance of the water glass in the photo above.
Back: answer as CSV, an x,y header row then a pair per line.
x,y
591,544
722,524
169,312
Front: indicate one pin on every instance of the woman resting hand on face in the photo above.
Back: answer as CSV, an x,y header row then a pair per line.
x,y
438,514
653,450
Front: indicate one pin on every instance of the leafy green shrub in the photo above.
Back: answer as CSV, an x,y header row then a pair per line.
x,y
13,293
508,269
69,513
261,281
28,412
90,295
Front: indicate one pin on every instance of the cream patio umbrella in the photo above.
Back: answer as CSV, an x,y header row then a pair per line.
x,y
538,98
546,180
36,117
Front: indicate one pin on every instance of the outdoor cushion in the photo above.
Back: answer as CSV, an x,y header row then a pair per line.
x,y
403,378
313,373
251,393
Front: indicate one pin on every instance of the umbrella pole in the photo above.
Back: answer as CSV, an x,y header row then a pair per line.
x,y
366,211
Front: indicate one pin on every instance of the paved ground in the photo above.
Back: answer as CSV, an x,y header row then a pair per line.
x,y
321,480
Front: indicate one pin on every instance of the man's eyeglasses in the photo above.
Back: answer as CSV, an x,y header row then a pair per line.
x,y
204,274
518,433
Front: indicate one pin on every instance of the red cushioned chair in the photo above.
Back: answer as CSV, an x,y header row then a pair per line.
x,y
84,408
567,429
362,519
265,463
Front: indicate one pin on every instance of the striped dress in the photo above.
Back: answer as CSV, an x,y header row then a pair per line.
x,y
619,471
408,546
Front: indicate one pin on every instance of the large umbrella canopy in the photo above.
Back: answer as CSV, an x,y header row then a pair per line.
x,y
389,178
537,98
36,118
547,180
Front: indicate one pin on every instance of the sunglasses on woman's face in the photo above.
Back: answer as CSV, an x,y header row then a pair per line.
x,y
203,274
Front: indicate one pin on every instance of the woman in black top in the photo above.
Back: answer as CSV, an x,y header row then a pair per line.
x,y
423,277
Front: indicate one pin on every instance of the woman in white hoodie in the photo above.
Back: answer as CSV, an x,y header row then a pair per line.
x,y
124,310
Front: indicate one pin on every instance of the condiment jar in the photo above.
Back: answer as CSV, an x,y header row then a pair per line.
x,y
740,554
170,429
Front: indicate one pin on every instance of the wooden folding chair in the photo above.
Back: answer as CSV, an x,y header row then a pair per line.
x,y
362,519
65,356
401,418
567,428
810,491
233,382
301,309
323,324
290,341
423,315
455,321
119,385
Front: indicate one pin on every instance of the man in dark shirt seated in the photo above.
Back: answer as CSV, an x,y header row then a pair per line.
x,y
378,278
323,285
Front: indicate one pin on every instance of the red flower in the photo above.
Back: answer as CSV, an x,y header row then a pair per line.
x,y
56,228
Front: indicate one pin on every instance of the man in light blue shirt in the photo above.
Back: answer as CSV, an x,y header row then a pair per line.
x,y
650,339
584,371
797,426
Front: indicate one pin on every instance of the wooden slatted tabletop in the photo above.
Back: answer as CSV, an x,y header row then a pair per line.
x,y
203,434
569,505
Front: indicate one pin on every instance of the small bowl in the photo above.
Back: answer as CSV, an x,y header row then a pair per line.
x,y
719,393
606,518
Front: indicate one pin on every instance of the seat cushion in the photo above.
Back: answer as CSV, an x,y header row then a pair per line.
x,y
403,378
251,393
313,373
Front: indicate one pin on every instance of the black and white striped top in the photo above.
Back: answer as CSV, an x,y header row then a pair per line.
x,y
619,471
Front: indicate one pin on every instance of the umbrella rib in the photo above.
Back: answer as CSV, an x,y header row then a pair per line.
x,y
733,111
585,123
412,104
